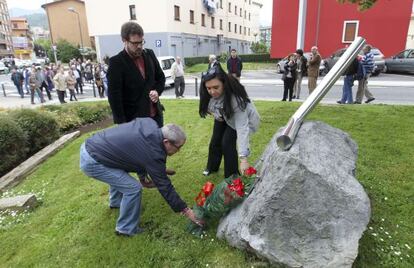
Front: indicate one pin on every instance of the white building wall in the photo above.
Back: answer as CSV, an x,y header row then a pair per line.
x,y
179,37
410,35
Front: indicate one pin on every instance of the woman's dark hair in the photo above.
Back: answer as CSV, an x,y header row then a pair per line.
x,y
299,51
129,28
231,87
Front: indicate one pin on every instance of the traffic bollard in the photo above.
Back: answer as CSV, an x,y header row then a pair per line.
x,y
196,86
4,90
93,87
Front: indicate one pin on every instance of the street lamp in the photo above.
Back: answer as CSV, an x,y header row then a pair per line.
x,y
71,9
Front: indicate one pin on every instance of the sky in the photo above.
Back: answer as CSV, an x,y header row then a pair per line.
x,y
265,14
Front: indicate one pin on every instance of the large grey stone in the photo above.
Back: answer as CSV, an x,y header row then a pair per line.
x,y
19,203
308,209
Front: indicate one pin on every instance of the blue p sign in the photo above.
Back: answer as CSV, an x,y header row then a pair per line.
x,y
157,43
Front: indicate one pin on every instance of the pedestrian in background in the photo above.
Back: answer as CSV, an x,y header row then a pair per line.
x,y
70,84
349,78
60,84
18,79
40,75
368,64
212,61
234,65
99,81
35,87
301,62
313,68
177,74
78,77
289,77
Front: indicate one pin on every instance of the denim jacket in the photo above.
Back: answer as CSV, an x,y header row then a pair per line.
x,y
244,121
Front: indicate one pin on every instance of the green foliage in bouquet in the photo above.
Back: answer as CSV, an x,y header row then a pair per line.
x,y
213,202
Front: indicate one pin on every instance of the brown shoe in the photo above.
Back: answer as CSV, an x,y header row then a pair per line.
x,y
170,172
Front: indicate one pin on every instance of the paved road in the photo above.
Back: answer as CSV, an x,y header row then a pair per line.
x,y
266,84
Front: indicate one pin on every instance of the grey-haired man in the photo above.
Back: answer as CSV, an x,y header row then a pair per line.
x,y
140,145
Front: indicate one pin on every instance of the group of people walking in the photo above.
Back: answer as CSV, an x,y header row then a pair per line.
x,y
297,66
141,142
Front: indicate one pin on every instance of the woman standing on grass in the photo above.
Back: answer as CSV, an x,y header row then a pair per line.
x,y
289,77
235,117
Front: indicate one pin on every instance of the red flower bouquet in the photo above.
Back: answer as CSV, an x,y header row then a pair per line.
x,y
213,202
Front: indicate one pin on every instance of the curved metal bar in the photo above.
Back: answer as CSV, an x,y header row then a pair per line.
x,y
287,137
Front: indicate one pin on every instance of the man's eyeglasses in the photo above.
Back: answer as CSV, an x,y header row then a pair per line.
x,y
141,43
175,146
211,73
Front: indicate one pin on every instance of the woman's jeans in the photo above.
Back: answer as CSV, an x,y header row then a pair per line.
x,y
124,191
223,143
347,89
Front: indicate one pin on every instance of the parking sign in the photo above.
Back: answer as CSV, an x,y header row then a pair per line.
x,y
157,43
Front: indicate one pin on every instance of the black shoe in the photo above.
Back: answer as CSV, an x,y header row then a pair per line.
x,y
111,207
357,102
339,102
170,172
294,97
369,100
283,99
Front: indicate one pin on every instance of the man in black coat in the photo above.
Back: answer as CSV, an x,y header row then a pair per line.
x,y
234,65
135,79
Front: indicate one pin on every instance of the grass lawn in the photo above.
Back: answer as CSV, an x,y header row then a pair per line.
x,y
247,66
74,226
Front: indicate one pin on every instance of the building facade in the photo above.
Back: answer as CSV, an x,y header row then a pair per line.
x,y
410,35
6,47
331,25
176,28
21,38
40,33
67,21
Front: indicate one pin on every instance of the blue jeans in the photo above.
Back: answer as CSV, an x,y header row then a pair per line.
x,y
347,89
124,191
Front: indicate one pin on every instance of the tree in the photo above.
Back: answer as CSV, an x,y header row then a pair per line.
x,y
362,4
259,47
43,45
66,51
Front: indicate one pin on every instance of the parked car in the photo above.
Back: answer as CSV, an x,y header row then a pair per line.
x,y
378,60
166,63
402,62
3,68
280,65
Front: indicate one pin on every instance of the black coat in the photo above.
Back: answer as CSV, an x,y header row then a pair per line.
x,y
128,91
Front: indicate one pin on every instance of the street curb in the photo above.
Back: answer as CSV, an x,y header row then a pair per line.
x,y
19,173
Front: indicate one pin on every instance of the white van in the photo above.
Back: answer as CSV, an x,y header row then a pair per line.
x,y
166,63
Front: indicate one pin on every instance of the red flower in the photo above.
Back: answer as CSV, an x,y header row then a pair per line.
x,y
250,171
237,186
200,199
208,188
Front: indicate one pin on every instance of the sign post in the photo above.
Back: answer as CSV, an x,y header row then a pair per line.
x,y
158,44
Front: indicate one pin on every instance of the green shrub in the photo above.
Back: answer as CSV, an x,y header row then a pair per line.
x,y
41,127
91,114
262,57
190,61
12,144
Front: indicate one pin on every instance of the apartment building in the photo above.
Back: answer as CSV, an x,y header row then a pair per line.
x,y
21,38
185,28
6,48
67,21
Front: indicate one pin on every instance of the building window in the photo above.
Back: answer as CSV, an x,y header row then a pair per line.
x,y
249,31
240,29
245,12
229,26
221,24
212,23
176,13
249,15
241,13
250,2
229,7
350,31
235,28
235,10
132,13
221,4
244,30
15,26
192,16
203,20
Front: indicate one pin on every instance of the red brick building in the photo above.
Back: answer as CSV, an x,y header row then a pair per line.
x,y
332,26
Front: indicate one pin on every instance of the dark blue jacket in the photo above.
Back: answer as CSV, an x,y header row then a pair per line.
x,y
135,146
